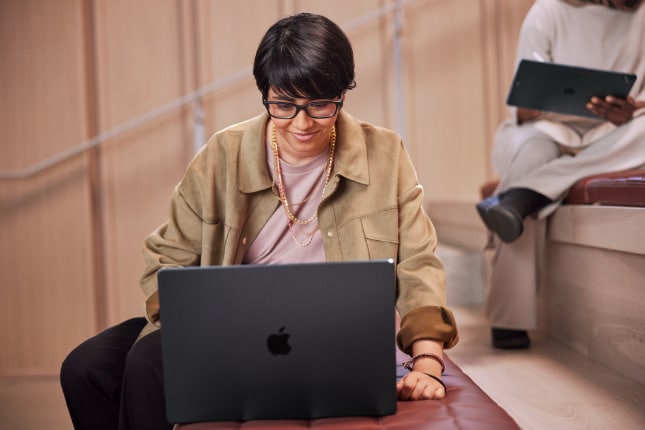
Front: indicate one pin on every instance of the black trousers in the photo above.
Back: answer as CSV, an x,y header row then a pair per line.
x,y
111,382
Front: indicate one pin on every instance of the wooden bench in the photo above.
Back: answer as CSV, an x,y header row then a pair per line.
x,y
593,283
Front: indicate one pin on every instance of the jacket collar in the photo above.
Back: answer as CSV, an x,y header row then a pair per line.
x,y
351,153
351,150
252,158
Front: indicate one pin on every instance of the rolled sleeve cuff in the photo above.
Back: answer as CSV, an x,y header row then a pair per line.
x,y
427,322
152,309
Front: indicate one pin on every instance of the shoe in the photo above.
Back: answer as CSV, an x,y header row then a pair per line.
x,y
501,219
510,339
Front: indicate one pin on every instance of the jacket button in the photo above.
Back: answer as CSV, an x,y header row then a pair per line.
x,y
330,233
244,240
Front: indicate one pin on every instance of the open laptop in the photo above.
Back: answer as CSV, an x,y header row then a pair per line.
x,y
278,341
564,89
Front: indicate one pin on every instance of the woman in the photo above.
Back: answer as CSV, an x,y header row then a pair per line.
x,y
303,182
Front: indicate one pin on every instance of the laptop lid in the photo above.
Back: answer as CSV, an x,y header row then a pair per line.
x,y
564,89
278,341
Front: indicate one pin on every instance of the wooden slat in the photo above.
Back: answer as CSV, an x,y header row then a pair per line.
x,y
46,282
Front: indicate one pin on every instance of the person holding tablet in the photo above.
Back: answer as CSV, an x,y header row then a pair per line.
x,y
538,157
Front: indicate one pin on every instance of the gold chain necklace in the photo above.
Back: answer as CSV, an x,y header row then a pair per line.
x,y
311,193
291,218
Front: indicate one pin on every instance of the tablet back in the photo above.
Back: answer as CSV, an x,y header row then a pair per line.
x,y
564,89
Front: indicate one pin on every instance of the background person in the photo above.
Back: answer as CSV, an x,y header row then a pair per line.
x,y
538,155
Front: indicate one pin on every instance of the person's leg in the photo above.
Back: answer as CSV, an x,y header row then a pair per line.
x,y
538,167
143,404
621,149
517,152
533,177
91,376
511,302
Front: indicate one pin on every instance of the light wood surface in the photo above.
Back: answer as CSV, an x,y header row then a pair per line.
x,y
555,384
548,386
608,227
595,284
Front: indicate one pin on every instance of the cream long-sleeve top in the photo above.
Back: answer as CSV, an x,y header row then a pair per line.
x,y
585,35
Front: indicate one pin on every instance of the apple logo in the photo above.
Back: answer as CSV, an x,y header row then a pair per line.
x,y
278,343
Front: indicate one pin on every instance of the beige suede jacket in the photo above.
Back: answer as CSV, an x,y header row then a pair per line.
x,y
372,209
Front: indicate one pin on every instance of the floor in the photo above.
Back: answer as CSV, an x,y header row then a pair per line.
x,y
548,386
545,387
32,403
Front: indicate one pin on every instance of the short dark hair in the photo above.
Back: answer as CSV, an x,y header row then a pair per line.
x,y
304,56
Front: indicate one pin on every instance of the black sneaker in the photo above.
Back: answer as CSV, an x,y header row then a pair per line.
x,y
510,339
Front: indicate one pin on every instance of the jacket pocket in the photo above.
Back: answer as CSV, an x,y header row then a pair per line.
x,y
381,232
214,242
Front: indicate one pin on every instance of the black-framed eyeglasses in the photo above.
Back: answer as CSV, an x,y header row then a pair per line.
x,y
319,109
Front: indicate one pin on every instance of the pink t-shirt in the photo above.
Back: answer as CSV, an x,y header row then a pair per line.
x,y
303,186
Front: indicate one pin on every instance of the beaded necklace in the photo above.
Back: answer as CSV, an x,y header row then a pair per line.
x,y
296,224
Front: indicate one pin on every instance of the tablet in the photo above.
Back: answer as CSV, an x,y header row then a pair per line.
x,y
564,89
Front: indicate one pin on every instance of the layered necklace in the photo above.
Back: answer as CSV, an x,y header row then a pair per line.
x,y
297,225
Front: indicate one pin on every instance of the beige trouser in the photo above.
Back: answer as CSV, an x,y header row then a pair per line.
x,y
514,278
525,157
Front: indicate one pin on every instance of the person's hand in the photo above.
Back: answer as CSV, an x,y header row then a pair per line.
x,y
524,115
613,109
419,386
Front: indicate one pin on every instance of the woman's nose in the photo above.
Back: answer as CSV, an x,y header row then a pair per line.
x,y
302,119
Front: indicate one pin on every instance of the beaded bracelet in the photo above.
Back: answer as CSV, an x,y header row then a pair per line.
x,y
408,364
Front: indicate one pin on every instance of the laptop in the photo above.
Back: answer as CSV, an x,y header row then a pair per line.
x,y
564,89
299,341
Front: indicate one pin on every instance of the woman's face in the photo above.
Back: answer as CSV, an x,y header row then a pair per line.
x,y
302,137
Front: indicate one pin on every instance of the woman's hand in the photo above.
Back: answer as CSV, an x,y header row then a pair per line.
x,y
419,386
613,109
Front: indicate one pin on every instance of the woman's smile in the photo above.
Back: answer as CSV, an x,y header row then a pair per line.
x,y
304,137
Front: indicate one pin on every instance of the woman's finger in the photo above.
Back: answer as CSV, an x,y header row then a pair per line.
x,y
418,386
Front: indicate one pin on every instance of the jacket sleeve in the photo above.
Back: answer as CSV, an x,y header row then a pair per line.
x,y
421,299
175,243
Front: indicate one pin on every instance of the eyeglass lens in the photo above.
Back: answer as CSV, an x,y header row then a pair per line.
x,y
321,109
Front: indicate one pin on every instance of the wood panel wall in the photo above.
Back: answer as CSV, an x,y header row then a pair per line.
x,y
72,70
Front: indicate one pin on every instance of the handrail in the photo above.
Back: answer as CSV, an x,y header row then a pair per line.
x,y
193,97
125,127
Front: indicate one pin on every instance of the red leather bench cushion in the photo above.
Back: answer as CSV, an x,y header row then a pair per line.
x,y
465,407
624,188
